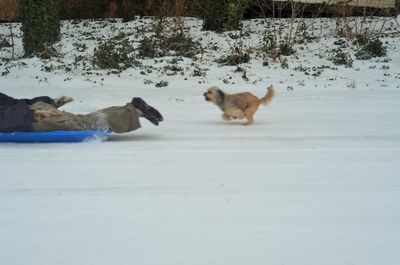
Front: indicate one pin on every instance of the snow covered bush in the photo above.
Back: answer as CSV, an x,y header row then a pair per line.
x,y
276,42
117,53
168,38
304,34
269,41
286,48
340,57
239,52
237,56
369,48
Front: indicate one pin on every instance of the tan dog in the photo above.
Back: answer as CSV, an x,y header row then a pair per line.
x,y
238,106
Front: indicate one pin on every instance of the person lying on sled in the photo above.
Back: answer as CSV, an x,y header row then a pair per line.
x,y
41,115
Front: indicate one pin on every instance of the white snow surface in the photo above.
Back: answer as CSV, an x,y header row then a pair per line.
x,y
315,181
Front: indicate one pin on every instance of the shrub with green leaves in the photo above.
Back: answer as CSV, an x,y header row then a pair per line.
x,y
271,46
304,34
220,15
116,53
361,39
149,47
177,44
236,57
269,41
40,25
165,40
235,13
339,57
370,48
286,48
215,14
181,44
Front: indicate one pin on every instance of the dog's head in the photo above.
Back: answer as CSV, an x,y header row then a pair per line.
x,y
215,95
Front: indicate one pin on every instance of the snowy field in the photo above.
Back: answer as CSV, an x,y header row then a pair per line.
x,y
315,181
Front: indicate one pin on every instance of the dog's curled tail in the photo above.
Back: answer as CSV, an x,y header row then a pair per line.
x,y
268,97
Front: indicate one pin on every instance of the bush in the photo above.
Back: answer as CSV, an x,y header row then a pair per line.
x,y
215,14
271,47
286,48
269,42
168,40
220,15
40,26
303,34
339,57
181,44
149,48
237,56
116,53
370,48
361,39
235,13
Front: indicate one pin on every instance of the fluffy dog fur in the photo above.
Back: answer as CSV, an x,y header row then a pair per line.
x,y
238,106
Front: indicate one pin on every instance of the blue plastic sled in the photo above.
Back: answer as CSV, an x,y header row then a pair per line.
x,y
54,136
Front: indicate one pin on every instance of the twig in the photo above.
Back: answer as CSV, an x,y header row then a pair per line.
x,y
12,41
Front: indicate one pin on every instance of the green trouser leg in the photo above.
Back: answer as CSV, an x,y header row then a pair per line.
x,y
118,119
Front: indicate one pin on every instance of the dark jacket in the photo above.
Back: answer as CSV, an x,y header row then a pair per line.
x,y
16,115
8,101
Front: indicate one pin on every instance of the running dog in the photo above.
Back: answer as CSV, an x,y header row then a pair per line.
x,y
238,106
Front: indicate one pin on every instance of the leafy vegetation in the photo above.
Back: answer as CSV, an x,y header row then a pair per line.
x,y
40,26
340,57
369,48
116,53
163,39
220,15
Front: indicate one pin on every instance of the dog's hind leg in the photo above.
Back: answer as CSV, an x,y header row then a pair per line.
x,y
250,121
226,117
249,114
237,114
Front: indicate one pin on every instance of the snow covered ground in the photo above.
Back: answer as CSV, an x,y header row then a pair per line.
x,y
314,181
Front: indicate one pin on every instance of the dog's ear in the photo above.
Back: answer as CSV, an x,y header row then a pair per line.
x,y
221,95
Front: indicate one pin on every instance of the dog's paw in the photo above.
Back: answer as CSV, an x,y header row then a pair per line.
x,y
248,123
226,117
